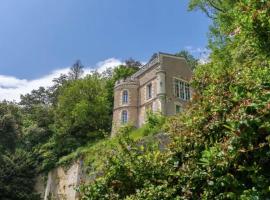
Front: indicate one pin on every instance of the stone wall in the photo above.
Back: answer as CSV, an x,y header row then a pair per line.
x,y
131,106
182,71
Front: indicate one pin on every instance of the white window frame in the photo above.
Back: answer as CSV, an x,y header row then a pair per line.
x,y
182,89
124,120
123,98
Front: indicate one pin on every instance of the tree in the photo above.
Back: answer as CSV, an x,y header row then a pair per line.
x,y
82,112
17,176
17,169
10,121
36,97
76,71
55,89
223,132
131,63
193,62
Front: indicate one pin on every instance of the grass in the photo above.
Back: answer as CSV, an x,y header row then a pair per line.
x,y
94,154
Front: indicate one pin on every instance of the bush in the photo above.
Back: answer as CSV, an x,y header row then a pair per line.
x,y
17,176
129,169
154,123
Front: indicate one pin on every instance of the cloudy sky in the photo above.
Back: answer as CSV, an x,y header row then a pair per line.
x,y
40,39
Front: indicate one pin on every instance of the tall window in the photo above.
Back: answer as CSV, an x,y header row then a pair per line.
x,y
182,90
125,97
149,91
124,117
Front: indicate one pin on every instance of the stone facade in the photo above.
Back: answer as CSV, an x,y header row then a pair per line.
x,y
162,85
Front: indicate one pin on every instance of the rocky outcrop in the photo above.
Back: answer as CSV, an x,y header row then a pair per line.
x,y
63,181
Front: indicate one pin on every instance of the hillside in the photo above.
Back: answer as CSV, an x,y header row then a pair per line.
x,y
219,145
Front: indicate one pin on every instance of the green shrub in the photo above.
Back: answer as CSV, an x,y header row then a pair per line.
x,y
127,170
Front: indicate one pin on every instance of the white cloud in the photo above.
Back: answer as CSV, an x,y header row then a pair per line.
x,y
109,63
11,82
11,87
204,59
200,53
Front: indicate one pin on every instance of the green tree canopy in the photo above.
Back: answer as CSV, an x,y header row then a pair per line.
x,y
82,107
10,121
193,62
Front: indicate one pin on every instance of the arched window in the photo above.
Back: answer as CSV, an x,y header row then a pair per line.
x,y
125,97
124,117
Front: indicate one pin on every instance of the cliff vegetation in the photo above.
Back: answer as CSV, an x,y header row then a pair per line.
x,y
219,146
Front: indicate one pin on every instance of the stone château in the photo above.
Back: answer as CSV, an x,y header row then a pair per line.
x,y
162,85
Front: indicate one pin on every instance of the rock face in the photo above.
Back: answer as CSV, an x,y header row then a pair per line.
x,y
62,183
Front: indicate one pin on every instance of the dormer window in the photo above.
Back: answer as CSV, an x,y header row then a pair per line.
x,y
149,91
124,117
125,97
182,90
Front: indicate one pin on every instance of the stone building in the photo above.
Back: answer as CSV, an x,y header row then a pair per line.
x,y
162,85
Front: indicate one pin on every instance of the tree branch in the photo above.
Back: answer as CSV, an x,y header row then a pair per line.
x,y
215,6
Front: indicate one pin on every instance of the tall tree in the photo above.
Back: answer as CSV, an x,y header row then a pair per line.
x,y
131,63
36,97
55,89
76,71
17,176
82,112
17,167
193,62
10,126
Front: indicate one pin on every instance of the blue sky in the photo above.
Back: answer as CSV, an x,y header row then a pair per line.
x,y
38,37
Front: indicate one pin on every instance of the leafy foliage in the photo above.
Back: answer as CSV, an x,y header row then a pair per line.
x,y
9,129
220,147
17,176
125,174
76,71
193,62
83,107
17,168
